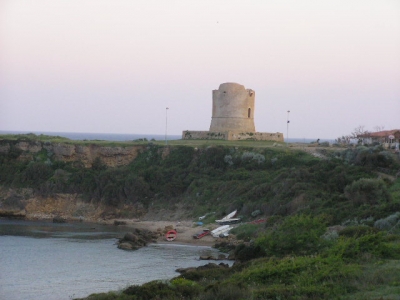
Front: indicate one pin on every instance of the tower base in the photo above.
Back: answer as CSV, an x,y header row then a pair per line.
x,y
232,136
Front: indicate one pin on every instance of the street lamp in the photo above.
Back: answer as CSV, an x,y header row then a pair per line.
x,y
166,125
287,126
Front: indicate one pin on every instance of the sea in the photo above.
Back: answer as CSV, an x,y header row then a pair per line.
x,y
133,136
44,260
80,136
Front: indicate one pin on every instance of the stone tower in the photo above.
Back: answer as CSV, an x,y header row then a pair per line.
x,y
233,109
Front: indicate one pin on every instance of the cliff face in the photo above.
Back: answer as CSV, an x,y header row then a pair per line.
x,y
110,156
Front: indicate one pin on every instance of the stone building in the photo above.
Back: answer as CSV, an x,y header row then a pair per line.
x,y
232,116
232,109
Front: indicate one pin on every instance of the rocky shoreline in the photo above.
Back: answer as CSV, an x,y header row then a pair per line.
x,y
61,208
138,233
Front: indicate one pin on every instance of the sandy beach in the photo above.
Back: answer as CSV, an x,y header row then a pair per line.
x,y
185,231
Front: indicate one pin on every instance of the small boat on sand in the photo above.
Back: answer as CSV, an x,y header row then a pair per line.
x,y
221,231
171,235
201,234
229,219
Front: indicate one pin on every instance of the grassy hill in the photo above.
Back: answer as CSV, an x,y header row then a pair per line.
x,y
332,230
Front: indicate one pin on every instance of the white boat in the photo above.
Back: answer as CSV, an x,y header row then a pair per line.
x,y
229,219
221,230
231,215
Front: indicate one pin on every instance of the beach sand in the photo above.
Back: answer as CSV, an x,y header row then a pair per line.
x,y
185,231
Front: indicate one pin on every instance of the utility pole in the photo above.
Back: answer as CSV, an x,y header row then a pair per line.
x,y
166,125
287,127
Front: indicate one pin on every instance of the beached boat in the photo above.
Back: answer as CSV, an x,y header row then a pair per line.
x,y
171,235
201,234
221,231
229,219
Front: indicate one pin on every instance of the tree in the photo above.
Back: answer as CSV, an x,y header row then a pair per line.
x,y
379,128
360,130
346,139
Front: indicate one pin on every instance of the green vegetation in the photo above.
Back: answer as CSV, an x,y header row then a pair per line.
x,y
358,264
332,227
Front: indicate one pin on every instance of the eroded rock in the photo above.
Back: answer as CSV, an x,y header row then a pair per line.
x,y
205,267
59,219
136,239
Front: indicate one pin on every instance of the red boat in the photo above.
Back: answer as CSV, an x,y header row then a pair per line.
x,y
201,234
171,235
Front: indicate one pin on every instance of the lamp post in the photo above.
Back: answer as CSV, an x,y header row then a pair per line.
x,y
287,127
166,125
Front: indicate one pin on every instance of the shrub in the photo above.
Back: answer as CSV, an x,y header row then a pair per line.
x,y
388,223
251,156
108,296
36,173
246,253
367,191
304,277
355,248
226,291
228,159
213,157
212,274
187,288
357,231
179,156
296,235
152,290
246,231
370,157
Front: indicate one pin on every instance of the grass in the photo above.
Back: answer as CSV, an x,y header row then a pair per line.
x,y
190,143
31,137
206,143
378,280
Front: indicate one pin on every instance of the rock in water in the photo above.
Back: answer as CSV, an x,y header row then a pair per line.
x,y
205,267
59,219
137,239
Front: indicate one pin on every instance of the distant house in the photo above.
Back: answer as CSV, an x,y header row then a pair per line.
x,y
388,138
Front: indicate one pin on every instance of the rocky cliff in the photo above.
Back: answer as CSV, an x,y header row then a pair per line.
x,y
110,156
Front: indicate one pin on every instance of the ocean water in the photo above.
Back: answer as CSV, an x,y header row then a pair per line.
x,y
130,137
42,260
99,136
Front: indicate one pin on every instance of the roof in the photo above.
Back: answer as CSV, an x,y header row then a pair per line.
x,y
384,133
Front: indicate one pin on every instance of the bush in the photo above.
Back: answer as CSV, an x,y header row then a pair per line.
x,y
226,291
252,158
296,235
389,223
356,248
370,157
367,191
154,290
246,231
357,231
245,253
36,173
214,158
302,277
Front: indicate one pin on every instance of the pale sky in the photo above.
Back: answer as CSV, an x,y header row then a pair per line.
x,y
109,66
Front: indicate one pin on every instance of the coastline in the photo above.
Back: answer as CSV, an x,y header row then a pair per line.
x,y
184,229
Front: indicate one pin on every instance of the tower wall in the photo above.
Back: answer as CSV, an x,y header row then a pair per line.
x,y
233,109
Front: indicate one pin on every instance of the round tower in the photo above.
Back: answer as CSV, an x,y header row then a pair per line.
x,y
233,109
